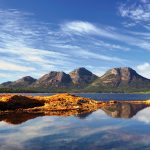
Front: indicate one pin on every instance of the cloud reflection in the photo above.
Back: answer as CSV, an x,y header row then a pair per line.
x,y
143,115
96,131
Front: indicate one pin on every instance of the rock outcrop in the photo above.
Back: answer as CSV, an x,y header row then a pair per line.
x,y
82,76
53,79
46,103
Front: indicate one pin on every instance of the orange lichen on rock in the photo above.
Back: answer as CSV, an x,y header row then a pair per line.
x,y
46,103
67,102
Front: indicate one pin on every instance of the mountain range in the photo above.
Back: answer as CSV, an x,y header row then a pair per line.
x,y
81,80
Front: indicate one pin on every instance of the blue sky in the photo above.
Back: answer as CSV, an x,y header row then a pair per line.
x,y
39,36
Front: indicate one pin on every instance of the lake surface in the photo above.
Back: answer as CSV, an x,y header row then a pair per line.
x,y
104,96
128,129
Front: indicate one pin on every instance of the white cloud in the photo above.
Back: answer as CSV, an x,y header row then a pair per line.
x,y
3,75
76,27
144,69
111,46
23,47
144,66
33,55
143,116
14,67
137,11
91,55
80,26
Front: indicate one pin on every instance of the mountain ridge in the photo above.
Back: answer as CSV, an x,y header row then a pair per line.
x,y
121,76
22,82
82,80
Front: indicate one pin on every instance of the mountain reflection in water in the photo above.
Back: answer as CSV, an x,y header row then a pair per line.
x,y
21,117
117,110
123,109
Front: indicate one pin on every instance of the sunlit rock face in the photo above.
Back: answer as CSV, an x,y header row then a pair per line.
x,y
122,77
123,109
53,79
82,76
78,77
36,104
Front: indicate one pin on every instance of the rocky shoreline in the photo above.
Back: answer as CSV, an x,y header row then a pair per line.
x,y
36,104
16,109
59,104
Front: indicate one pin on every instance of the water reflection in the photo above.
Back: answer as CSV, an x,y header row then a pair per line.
x,y
18,118
96,130
117,110
143,115
21,117
123,109
104,129
84,115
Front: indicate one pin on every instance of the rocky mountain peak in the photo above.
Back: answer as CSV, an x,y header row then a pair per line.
x,y
124,73
82,76
53,78
28,79
82,71
124,76
58,76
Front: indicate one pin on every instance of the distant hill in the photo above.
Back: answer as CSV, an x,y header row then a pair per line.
x,y
81,80
21,83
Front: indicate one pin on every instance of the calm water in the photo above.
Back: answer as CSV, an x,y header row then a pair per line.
x,y
105,96
129,129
